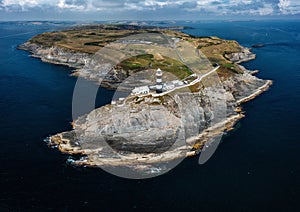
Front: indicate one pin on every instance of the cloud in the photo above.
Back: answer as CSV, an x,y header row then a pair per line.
x,y
72,4
214,7
19,4
289,6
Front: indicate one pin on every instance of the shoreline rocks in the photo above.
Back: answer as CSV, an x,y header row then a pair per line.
x,y
56,55
111,151
240,57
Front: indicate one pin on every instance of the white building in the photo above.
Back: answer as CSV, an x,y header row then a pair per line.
x,y
169,86
141,90
177,83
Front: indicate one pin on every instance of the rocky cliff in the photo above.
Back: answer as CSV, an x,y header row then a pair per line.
x,y
140,129
57,55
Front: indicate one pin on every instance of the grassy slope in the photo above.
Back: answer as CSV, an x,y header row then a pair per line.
x,y
91,40
87,41
148,61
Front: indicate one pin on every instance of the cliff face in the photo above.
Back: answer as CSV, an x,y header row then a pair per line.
x,y
239,57
177,125
57,55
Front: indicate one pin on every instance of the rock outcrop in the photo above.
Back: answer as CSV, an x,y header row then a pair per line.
x,y
241,57
177,125
57,55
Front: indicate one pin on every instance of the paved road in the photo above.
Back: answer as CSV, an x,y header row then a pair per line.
x,y
209,73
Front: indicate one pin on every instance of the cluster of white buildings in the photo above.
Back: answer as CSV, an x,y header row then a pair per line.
x,y
171,85
160,87
141,90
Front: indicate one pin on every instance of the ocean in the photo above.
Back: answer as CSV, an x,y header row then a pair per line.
x,y
256,167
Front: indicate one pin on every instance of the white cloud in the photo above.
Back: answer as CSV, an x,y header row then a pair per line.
x,y
283,5
23,4
20,2
289,6
266,10
12,5
72,5
217,7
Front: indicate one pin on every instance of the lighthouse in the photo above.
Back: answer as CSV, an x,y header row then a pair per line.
x,y
159,84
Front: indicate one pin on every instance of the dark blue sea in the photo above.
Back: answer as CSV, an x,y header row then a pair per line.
x,y
256,167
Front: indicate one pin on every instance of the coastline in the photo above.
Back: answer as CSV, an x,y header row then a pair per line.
x,y
145,159
77,61
194,145
57,56
259,91
193,148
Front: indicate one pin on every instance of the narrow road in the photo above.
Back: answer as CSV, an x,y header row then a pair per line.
x,y
203,76
209,73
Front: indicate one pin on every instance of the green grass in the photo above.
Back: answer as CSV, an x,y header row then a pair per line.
x,y
48,39
229,65
147,61
92,39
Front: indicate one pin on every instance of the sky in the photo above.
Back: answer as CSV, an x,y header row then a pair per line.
x,y
147,9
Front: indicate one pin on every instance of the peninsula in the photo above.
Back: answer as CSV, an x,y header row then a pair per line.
x,y
143,129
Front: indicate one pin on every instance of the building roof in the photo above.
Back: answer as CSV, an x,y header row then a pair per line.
x,y
140,90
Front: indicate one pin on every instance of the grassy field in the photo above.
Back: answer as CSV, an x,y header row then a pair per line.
x,y
87,41
149,61
91,40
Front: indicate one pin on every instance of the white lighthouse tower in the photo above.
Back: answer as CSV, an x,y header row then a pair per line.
x,y
159,84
